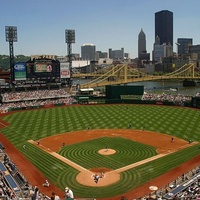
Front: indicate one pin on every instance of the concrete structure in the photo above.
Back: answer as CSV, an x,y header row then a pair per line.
x,y
105,61
80,63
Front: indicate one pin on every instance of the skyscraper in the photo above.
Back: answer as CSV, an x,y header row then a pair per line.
x,y
142,52
116,54
88,51
184,44
164,26
141,43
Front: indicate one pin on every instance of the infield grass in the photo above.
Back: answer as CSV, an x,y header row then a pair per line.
x,y
36,124
127,152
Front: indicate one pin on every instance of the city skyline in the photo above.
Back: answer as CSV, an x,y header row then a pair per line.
x,y
106,24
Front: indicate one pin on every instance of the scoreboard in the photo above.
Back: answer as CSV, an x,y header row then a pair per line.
x,y
42,69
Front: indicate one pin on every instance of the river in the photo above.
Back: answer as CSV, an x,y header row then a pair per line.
x,y
159,86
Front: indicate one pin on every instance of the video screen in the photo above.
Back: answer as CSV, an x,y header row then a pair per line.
x,y
43,69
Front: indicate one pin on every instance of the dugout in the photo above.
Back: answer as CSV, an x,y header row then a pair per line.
x,y
116,91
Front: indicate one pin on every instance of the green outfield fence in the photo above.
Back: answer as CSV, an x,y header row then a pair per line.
x,y
100,100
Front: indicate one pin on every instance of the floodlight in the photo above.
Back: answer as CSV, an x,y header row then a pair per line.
x,y
11,33
69,36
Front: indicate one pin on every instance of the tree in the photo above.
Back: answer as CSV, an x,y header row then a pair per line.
x,y
5,60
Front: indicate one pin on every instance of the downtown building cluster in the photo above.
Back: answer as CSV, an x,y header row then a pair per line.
x,y
166,54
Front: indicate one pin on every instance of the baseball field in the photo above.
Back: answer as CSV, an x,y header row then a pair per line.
x,y
130,145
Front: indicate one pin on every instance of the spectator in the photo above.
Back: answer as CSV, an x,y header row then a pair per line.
x,y
69,194
46,184
36,194
55,197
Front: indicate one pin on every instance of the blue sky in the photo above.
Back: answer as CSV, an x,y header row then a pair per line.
x,y
107,24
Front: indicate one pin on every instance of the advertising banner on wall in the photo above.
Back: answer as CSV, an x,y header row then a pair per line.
x,y
20,71
64,70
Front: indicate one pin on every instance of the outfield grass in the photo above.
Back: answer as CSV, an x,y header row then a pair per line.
x,y
37,124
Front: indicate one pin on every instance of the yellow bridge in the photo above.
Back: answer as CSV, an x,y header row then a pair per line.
x,y
120,74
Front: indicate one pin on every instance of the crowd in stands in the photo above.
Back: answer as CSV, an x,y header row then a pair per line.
x,y
175,98
34,95
185,187
197,94
13,185
34,99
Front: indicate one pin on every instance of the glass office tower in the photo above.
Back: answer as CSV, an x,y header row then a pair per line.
x,y
164,26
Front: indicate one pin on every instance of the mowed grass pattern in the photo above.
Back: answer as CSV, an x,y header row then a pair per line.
x,y
127,152
37,124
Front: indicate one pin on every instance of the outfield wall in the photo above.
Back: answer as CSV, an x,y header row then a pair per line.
x,y
94,101
115,91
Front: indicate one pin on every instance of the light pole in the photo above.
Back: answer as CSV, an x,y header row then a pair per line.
x,y
11,36
69,39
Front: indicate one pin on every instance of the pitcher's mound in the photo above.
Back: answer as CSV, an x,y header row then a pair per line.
x,y
106,151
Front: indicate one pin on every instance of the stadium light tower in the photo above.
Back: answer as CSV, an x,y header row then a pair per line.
x,y
11,36
69,39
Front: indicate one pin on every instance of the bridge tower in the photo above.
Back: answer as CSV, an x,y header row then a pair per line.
x,y
125,73
193,71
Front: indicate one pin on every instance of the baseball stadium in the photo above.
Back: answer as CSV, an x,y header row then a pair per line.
x,y
136,147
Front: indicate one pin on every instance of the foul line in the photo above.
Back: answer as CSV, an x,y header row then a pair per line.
x,y
58,156
3,124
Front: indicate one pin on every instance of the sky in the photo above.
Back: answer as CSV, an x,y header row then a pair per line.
x,y
114,24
